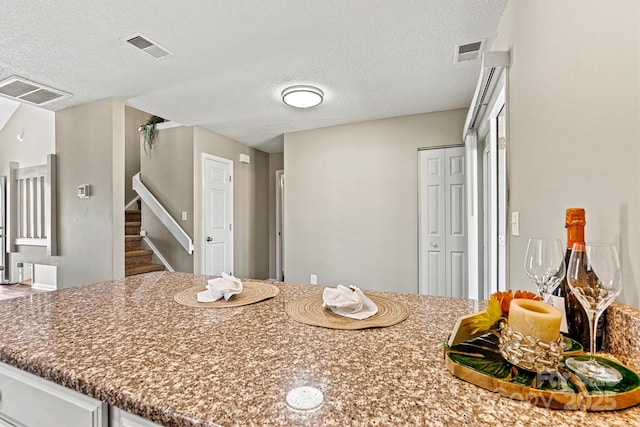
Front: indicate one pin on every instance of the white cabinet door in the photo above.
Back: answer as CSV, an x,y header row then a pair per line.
x,y
28,400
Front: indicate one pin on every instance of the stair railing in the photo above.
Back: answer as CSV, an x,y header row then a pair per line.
x,y
161,213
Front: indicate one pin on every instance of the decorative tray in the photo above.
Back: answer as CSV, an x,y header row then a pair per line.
x,y
479,362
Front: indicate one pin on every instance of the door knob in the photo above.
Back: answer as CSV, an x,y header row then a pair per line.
x,y
209,239
434,245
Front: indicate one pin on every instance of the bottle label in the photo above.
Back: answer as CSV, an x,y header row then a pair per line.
x,y
558,302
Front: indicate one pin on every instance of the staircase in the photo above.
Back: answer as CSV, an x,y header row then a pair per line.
x,y
136,259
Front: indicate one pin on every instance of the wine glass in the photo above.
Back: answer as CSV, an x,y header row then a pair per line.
x,y
594,277
544,264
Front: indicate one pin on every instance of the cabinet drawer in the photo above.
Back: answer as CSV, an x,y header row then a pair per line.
x,y
29,400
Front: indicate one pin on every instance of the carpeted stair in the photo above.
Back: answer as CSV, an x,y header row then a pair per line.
x,y
136,259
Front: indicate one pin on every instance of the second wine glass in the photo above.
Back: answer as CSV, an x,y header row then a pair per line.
x,y
595,279
544,264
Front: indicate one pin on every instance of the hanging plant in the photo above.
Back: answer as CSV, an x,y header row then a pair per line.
x,y
149,132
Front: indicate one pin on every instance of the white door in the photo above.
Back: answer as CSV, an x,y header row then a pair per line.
x,y
217,187
280,225
442,222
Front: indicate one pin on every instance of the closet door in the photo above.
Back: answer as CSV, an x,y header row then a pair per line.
x,y
442,238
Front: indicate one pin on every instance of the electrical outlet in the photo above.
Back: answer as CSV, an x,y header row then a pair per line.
x,y
313,279
184,216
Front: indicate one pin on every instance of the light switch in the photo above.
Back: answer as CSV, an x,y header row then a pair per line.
x,y
515,223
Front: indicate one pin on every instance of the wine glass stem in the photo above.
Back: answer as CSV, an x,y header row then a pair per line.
x,y
543,295
593,325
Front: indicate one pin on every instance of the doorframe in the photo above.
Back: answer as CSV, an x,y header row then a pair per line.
x,y
499,267
497,203
3,229
499,191
203,240
279,226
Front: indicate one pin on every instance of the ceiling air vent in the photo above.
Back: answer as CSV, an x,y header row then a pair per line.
x,y
148,46
468,52
27,91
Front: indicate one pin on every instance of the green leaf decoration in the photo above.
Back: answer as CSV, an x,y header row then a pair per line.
x,y
555,382
555,390
497,368
571,345
525,378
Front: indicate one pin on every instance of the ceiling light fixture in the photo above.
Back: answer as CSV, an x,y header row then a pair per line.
x,y
302,96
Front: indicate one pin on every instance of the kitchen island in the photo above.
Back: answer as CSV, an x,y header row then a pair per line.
x,y
129,344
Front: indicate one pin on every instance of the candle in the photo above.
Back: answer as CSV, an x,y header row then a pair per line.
x,y
535,319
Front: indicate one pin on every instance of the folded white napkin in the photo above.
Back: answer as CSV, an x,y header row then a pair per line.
x,y
349,302
225,286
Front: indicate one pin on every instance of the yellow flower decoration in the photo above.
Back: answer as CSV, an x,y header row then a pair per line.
x,y
489,319
497,308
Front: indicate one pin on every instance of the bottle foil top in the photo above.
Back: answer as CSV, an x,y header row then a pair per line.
x,y
575,216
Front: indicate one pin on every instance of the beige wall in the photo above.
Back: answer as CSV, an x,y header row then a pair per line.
x,y
574,124
89,143
250,192
133,120
167,171
173,174
351,210
90,149
276,162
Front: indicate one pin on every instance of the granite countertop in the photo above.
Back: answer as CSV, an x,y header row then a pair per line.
x,y
129,344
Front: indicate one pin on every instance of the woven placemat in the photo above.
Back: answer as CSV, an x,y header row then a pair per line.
x,y
252,292
308,310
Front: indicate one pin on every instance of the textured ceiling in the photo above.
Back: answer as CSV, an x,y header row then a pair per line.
x,y
373,59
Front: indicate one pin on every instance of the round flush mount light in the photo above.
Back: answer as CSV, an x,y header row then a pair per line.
x,y
302,96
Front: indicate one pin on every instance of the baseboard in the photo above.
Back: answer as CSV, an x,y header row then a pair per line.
x,y
43,287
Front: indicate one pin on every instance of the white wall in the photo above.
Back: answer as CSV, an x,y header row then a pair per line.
x,y
574,124
351,205
39,140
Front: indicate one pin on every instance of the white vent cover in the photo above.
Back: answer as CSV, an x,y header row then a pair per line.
x,y
468,51
27,91
148,46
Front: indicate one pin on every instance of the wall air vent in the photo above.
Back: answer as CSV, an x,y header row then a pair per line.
x,y
148,46
27,91
468,52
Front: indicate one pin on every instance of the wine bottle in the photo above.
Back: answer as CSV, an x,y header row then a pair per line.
x,y
576,317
